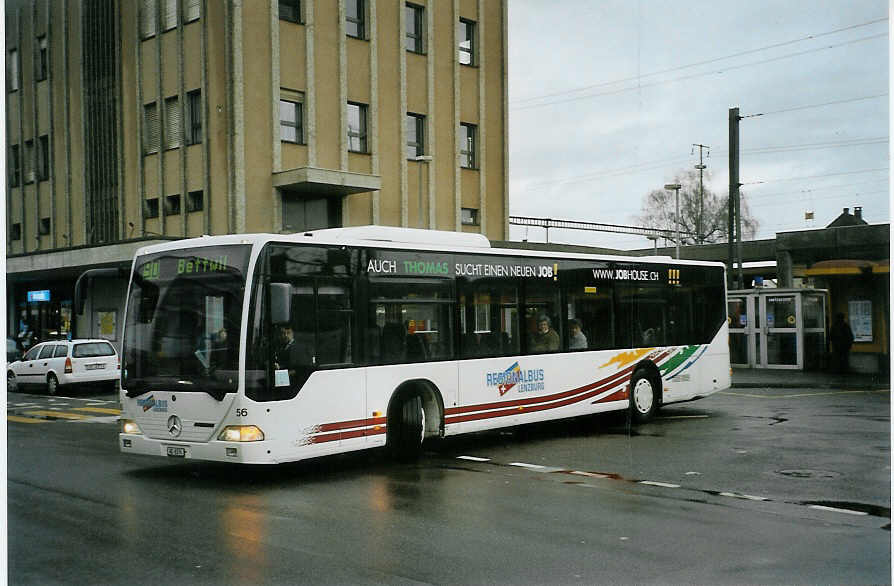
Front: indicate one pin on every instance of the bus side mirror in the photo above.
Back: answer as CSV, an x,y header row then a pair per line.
x,y
280,303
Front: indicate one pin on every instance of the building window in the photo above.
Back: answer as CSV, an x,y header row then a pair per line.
x,y
291,121
467,46
172,205
415,17
168,14
41,65
15,232
469,217
151,132
43,160
194,117
15,166
290,10
29,162
415,135
192,10
468,146
195,201
148,18
172,122
44,226
355,18
150,210
357,127
13,70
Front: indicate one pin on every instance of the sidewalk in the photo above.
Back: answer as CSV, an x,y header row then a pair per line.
x,y
761,377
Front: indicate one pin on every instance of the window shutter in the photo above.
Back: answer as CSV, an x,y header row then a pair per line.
x,y
172,123
169,14
192,10
150,128
149,17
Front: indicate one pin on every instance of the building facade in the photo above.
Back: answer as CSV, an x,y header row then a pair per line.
x,y
135,121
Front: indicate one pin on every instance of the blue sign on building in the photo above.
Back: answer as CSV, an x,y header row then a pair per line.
x,y
39,295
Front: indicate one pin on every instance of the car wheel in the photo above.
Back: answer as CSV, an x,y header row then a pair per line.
x,y
52,384
643,396
12,385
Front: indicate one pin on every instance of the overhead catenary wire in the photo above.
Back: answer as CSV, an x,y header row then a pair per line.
x,y
640,86
699,63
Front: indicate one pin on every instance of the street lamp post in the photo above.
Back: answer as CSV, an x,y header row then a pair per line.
x,y
675,187
421,159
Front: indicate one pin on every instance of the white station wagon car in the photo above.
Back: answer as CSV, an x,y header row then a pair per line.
x,y
59,363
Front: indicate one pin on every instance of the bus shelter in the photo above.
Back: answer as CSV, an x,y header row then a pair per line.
x,y
778,328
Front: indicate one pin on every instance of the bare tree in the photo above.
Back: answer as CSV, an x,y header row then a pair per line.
x,y
702,219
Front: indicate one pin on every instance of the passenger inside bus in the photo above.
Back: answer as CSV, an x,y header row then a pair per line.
x,y
576,338
545,338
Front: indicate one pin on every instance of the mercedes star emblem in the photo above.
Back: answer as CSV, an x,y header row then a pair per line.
x,y
175,426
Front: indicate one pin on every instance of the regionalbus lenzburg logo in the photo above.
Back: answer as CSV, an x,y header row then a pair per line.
x,y
527,380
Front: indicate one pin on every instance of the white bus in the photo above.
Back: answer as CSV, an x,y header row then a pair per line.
x,y
270,348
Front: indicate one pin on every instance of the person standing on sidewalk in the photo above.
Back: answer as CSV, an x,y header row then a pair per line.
x,y
842,338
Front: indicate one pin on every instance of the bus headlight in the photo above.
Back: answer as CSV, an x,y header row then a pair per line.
x,y
241,433
129,426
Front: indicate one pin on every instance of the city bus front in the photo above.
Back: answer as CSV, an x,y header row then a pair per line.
x,y
180,359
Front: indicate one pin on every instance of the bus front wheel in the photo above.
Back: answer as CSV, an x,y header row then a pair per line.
x,y
408,428
643,396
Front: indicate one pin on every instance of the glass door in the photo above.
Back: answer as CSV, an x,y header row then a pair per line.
x,y
737,314
779,339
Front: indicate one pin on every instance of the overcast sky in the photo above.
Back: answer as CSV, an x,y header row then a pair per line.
x,y
607,97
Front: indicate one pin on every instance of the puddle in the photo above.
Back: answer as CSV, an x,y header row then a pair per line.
x,y
805,473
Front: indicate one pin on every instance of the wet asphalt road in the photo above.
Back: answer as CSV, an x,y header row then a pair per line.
x,y
758,486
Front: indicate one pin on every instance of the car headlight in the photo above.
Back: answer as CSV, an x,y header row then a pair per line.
x,y
241,433
129,426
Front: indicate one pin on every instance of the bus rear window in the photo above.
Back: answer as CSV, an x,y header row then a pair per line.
x,y
92,349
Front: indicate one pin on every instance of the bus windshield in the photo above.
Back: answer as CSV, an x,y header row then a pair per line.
x,y
183,317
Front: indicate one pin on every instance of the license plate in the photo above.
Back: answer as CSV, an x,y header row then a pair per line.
x,y
176,452
96,366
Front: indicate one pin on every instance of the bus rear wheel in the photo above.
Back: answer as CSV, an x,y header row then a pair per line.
x,y
407,430
644,399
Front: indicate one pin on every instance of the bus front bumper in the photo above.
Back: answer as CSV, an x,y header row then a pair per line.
x,y
217,451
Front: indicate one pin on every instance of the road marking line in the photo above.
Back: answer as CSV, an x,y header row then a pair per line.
x,y
473,458
99,410
59,414
590,474
661,484
743,496
835,510
537,467
18,419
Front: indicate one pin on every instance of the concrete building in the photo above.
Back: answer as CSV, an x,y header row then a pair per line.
x,y
135,121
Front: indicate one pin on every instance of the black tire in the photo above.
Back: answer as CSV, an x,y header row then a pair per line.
x,y
644,396
407,429
52,384
12,385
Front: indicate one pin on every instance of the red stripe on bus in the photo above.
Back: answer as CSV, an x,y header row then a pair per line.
x,y
332,437
553,405
353,423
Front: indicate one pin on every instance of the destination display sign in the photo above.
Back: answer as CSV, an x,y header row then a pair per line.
x,y
202,261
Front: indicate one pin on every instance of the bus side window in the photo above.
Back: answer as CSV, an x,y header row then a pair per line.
x,y
590,305
542,327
